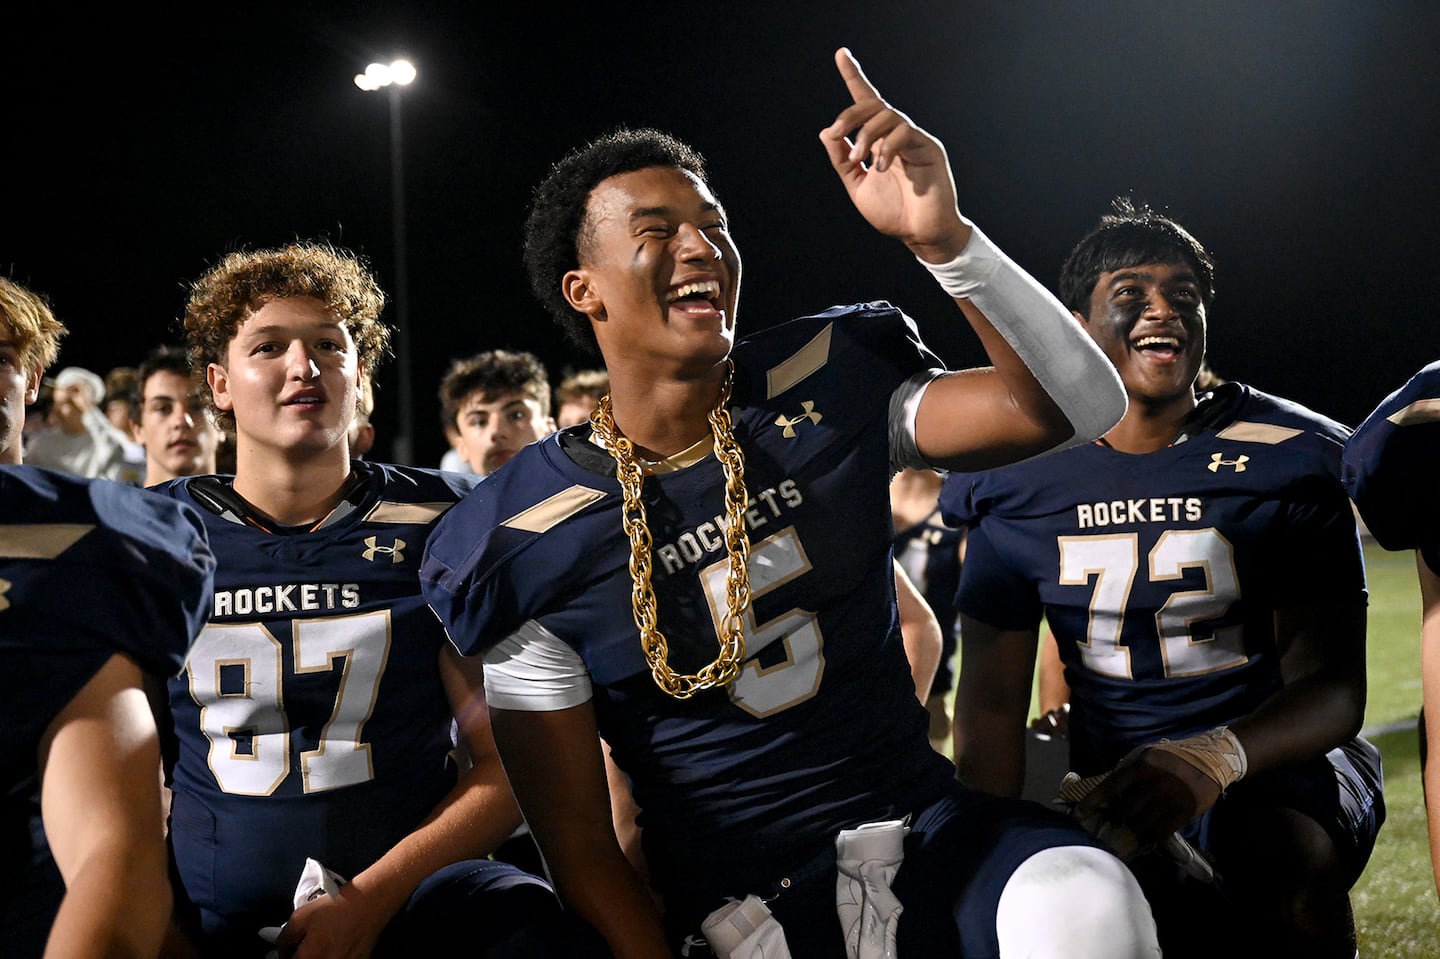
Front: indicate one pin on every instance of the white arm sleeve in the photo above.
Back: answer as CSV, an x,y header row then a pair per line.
x,y
534,671
1059,353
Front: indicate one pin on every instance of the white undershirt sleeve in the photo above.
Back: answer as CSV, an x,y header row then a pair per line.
x,y
533,670
904,451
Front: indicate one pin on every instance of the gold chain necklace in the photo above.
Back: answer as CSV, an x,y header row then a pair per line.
x,y
737,580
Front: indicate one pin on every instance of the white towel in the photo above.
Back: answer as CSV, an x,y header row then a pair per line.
x,y
315,881
867,859
745,930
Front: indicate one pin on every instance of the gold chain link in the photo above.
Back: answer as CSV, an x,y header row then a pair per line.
x,y
737,546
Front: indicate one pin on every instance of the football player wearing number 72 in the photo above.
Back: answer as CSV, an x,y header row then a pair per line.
x,y
1200,569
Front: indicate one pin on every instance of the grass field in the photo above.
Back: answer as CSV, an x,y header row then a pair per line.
x,y
1395,905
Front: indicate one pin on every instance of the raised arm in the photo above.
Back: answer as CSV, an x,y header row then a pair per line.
x,y
1049,385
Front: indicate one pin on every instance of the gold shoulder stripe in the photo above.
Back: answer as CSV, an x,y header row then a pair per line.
x,y
1420,411
40,540
551,512
418,513
805,361
1246,432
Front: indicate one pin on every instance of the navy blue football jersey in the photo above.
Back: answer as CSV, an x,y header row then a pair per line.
x,y
310,719
1391,462
87,569
1159,574
822,729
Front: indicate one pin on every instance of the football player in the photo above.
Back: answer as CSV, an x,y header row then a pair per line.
x,y
704,575
171,419
74,668
1389,463
1201,572
314,715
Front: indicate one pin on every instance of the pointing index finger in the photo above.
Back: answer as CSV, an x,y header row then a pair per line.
x,y
855,80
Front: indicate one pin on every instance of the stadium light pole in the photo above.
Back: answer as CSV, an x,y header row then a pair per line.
x,y
393,77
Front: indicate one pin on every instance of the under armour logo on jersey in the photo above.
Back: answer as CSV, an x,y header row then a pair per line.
x,y
394,551
4,588
788,422
1218,460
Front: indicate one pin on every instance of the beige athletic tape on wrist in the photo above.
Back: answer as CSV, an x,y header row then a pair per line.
x,y
1216,753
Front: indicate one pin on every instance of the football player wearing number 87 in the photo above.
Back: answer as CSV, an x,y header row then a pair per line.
x,y
313,719
1200,569
703,575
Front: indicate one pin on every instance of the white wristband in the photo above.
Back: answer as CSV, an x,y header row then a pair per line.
x,y
1052,344
967,273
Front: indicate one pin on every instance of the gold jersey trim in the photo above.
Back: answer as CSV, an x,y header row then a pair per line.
x,y
40,540
1247,432
1420,411
418,513
806,360
548,513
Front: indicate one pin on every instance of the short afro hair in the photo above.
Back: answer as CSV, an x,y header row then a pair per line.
x,y
555,228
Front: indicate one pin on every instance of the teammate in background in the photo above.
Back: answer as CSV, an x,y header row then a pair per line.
x,y
172,421
930,553
498,402
577,396
1390,464
740,492
1200,569
314,716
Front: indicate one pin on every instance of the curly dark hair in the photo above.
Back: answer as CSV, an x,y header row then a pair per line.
x,y
555,228
231,291
1132,235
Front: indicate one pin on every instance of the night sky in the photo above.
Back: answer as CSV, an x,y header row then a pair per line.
x,y
1297,140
